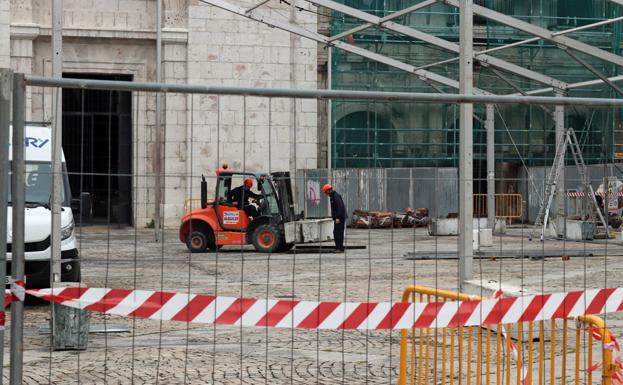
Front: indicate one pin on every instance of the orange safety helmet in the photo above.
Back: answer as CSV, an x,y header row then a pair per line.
x,y
248,183
326,188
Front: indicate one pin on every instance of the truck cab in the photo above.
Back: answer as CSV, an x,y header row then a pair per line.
x,y
38,214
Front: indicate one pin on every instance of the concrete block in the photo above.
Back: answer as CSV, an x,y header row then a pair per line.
x,y
482,238
500,226
450,226
578,230
309,230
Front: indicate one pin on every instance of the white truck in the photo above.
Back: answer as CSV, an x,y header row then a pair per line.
x,y
38,216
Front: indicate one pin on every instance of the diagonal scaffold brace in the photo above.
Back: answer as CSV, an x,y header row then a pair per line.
x,y
542,219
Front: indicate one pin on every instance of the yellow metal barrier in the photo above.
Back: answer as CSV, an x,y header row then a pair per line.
x,y
481,355
507,206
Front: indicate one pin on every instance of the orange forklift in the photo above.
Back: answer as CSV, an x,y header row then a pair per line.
x,y
221,222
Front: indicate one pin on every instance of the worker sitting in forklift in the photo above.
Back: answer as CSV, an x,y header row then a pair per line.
x,y
240,198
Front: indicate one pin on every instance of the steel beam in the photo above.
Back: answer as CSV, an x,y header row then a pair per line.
x,y
41,81
438,42
586,83
515,87
466,145
595,71
288,27
542,33
528,41
490,127
385,19
257,6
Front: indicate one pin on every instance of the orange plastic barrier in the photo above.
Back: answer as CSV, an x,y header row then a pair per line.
x,y
567,351
507,206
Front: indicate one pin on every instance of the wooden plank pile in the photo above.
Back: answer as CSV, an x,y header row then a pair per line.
x,y
387,219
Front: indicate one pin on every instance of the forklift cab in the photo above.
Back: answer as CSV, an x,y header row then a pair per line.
x,y
233,217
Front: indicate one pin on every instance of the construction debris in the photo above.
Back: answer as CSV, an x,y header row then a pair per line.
x,y
387,219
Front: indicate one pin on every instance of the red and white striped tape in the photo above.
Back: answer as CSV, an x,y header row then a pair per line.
x,y
18,290
196,308
582,193
513,347
613,345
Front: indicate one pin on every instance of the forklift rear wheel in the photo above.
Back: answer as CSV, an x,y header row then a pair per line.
x,y
197,242
267,238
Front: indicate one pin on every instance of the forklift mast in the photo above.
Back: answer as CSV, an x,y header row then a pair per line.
x,y
283,185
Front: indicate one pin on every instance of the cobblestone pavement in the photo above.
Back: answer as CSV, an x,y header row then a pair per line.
x,y
177,353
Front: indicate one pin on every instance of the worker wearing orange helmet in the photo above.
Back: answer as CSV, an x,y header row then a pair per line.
x,y
338,213
240,197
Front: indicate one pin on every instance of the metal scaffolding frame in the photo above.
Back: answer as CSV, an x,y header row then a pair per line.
x,y
466,55
467,10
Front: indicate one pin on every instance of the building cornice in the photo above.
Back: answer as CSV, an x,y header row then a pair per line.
x,y
32,31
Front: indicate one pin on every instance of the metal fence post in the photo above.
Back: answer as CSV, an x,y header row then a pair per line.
x,y
5,121
490,126
57,138
466,86
17,198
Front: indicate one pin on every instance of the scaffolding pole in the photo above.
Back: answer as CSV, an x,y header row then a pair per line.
x,y
559,202
421,97
438,42
490,127
466,84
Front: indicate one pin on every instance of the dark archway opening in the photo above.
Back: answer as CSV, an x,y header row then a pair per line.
x,y
97,142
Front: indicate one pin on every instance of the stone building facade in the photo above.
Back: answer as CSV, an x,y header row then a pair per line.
x,y
200,45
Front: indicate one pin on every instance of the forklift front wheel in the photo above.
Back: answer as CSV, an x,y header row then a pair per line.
x,y
267,238
197,242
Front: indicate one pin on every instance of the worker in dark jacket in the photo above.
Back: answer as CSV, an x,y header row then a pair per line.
x,y
240,197
338,213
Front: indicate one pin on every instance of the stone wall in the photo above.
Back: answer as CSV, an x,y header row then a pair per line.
x,y
5,47
201,45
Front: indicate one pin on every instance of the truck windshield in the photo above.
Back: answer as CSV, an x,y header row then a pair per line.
x,y
38,180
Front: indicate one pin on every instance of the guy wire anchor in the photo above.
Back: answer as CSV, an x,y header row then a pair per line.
x,y
542,218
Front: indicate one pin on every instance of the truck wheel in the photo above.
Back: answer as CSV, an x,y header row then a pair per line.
x,y
267,238
75,275
197,242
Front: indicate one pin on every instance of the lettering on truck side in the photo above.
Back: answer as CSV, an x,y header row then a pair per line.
x,y
30,141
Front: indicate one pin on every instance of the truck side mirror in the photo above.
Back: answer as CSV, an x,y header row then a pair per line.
x,y
204,192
